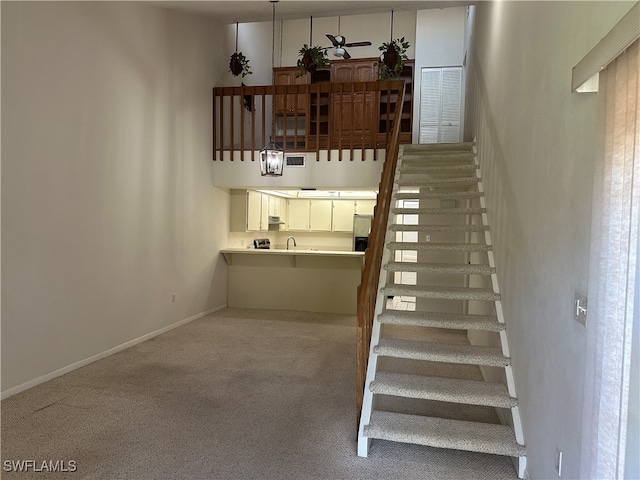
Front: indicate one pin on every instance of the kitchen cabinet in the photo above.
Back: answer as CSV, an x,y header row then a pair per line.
x,y
343,211
276,207
257,212
320,216
298,214
249,211
365,207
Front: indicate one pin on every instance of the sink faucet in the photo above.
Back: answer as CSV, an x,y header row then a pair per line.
x,y
294,242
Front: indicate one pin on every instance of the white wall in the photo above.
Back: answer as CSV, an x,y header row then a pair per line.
x,y
537,142
375,28
108,204
254,40
440,37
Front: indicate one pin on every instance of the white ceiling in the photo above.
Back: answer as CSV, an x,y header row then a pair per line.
x,y
245,11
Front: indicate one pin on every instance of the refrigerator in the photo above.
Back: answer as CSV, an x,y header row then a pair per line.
x,y
361,230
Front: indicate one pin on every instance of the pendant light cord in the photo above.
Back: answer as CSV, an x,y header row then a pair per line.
x,y
236,36
273,63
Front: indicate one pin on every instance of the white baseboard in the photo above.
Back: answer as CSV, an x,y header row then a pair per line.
x,y
74,366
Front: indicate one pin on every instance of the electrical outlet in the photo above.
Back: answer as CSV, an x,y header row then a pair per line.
x,y
558,461
427,238
173,298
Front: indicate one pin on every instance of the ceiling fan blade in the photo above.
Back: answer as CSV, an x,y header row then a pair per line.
x,y
333,40
357,44
346,55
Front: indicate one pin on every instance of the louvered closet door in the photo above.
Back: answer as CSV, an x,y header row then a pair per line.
x,y
440,105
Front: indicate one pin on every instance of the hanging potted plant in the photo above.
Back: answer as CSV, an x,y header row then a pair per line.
x,y
239,65
394,54
312,59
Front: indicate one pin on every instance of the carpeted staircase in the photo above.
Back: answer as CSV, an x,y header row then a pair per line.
x,y
447,283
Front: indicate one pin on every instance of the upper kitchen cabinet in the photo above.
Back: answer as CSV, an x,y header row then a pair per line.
x,y
343,211
365,207
298,211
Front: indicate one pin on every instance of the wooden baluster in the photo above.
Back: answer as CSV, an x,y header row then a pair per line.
x,y
242,124
222,128
213,122
340,130
295,120
264,117
353,119
364,119
253,122
231,131
318,122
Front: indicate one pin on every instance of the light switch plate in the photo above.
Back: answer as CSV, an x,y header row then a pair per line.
x,y
580,309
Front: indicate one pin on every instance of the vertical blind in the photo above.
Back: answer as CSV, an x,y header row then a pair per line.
x,y
614,268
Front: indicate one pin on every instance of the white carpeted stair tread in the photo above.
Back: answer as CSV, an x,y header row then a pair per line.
x,y
454,268
454,321
444,293
427,181
437,228
440,247
436,147
436,195
438,352
438,211
415,167
444,433
453,390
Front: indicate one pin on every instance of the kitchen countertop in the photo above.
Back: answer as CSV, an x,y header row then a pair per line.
x,y
292,253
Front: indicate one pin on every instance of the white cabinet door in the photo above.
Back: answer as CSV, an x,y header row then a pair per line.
x,y
254,211
365,207
440,105
264,212
343,211
320,216
298,214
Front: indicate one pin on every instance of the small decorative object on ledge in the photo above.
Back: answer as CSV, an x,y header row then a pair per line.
x,y
238,63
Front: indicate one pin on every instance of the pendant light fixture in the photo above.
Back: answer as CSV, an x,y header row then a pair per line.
x,y
272,155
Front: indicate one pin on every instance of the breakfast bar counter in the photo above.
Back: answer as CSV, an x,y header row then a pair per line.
x,y
296,279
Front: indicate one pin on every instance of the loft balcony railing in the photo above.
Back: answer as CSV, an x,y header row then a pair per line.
x,y
306,118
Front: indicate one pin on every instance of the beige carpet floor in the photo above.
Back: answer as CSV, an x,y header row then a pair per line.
x,y
240,394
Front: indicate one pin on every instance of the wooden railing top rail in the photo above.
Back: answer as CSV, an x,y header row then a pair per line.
x,y
327,87
368,289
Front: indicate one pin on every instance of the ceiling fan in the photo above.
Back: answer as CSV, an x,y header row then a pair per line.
x,y
339,43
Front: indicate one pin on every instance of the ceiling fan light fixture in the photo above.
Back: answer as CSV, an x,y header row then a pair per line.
x,y
339,52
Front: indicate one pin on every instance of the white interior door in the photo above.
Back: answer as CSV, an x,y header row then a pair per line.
x,y
440,105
